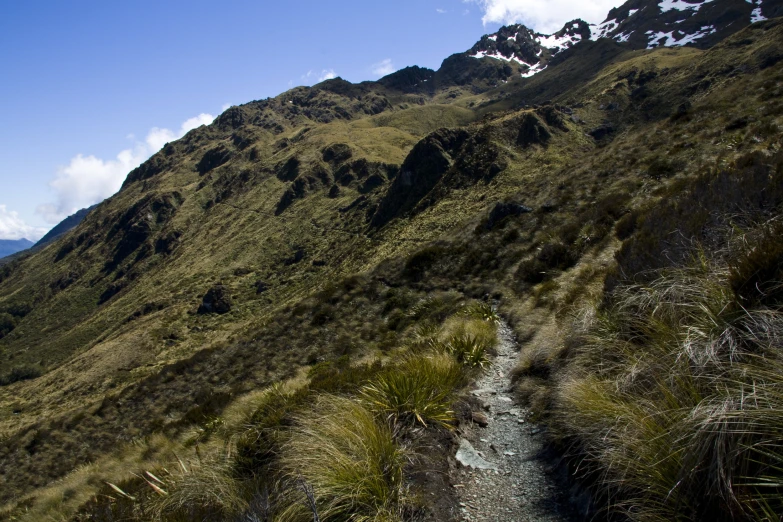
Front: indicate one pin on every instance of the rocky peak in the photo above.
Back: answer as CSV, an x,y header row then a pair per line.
x,y
531,50
646,24
640,24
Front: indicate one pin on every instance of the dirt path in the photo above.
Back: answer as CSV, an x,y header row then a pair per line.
x,y
499,477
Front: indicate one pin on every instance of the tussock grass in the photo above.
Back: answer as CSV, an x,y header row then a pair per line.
x,y
207,489
417,391
351,461
470,341
483,311
675,393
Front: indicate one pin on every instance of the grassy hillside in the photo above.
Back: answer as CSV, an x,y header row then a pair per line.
x,y
348,226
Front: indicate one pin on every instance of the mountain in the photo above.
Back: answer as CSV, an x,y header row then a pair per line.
x,y
64,226
642,24
285,253
12,246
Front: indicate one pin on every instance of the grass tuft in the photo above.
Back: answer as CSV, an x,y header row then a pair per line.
x,y
418,391
351,462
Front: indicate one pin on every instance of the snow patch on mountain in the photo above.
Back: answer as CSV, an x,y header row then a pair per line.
x,y
558,42
537,68
681,5
497,56
755,15
602,30
663,39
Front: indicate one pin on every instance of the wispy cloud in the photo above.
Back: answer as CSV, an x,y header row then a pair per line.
x,y
383,67
87,179
14,227
441,11
546,16
316,77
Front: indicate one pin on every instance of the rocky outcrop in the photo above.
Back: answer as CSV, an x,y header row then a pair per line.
x,y
446,158
532,131
214,158
134,230
461,69
409,80
504,210
217,300
317,177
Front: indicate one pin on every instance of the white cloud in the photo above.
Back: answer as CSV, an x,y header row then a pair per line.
x,y
14,227
315,77
327,75
87,180
383,67
546,16
441,11
157,138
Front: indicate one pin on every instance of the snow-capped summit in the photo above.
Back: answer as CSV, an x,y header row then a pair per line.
x,y
639,24
530,50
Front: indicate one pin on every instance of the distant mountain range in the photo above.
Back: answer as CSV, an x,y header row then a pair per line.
x,y
12,246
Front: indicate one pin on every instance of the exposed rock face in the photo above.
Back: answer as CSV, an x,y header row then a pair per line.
x,y
135,229
217,300
336,153
445,159
639,24
213,158
532,131
426,164
303,185
410,79
672,23
531,51
461,69
501,211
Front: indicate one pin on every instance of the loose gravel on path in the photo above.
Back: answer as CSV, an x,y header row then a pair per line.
x,y
516,486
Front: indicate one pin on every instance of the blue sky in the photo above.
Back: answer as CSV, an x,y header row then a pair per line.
x,y
84,81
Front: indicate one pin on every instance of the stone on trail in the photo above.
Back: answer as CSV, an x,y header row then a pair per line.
x,y
469,457
480,419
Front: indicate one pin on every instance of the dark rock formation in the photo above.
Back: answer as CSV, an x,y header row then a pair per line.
x,y
532,131
217,300
501,211
336,153
409,80
447,158
213,158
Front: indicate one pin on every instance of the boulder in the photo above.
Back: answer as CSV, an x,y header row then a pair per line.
x,y
502,211
217,300
480,419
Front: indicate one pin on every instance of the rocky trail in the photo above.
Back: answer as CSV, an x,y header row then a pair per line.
x,y
499,475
